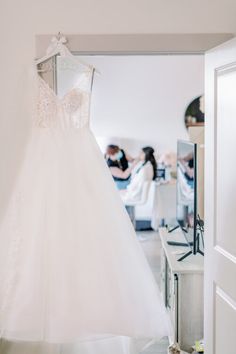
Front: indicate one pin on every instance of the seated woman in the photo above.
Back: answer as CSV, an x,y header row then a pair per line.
x,y
143,170
117,158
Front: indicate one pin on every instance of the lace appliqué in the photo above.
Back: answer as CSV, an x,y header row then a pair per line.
x,y
46,108
76,106
72,102
70,111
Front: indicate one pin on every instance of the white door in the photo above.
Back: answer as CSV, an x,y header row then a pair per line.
x,y
220,200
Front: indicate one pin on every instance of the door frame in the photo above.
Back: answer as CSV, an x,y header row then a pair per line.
x,y
221,260
136,44
141,44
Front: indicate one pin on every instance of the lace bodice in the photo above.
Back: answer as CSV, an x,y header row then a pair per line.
x,y
69,111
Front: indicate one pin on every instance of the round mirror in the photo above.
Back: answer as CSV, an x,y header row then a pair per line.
x,y
194,114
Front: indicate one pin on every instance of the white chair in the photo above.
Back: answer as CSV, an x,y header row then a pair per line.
x,y
130,206
144,212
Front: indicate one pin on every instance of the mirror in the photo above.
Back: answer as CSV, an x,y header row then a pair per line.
x,y
194,114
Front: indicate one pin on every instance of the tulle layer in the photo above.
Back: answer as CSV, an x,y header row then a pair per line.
x,y
71,268
111,345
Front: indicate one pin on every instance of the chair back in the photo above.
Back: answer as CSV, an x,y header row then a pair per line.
x,y
144,195
145,192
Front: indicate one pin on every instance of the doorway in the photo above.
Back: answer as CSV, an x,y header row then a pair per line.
x,y
208,47
138,101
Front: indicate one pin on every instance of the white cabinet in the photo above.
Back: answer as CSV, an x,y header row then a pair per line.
x,y
182,290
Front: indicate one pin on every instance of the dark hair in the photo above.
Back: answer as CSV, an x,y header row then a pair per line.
x,y
149,156
112,149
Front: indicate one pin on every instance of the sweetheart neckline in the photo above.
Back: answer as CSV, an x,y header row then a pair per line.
x,y
53,93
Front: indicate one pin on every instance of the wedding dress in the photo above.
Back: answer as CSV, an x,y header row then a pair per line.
x,y
71,268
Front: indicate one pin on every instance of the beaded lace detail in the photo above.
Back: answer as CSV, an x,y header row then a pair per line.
x,y
70,111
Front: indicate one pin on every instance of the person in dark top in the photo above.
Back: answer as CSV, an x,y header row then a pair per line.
x,y
116,157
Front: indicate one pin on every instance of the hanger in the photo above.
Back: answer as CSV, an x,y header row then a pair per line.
x,y
57,46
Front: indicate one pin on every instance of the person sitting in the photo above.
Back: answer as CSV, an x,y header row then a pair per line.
x,y
143,170
117,158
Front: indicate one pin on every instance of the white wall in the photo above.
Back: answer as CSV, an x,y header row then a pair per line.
x,y
141,100
21,20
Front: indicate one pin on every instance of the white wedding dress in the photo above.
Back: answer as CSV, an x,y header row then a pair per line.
x,y
73,277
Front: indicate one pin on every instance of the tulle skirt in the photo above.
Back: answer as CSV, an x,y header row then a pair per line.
x,y
72,272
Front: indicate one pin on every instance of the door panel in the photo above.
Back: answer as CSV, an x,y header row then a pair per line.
x,y
225,323
226,149
220,200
